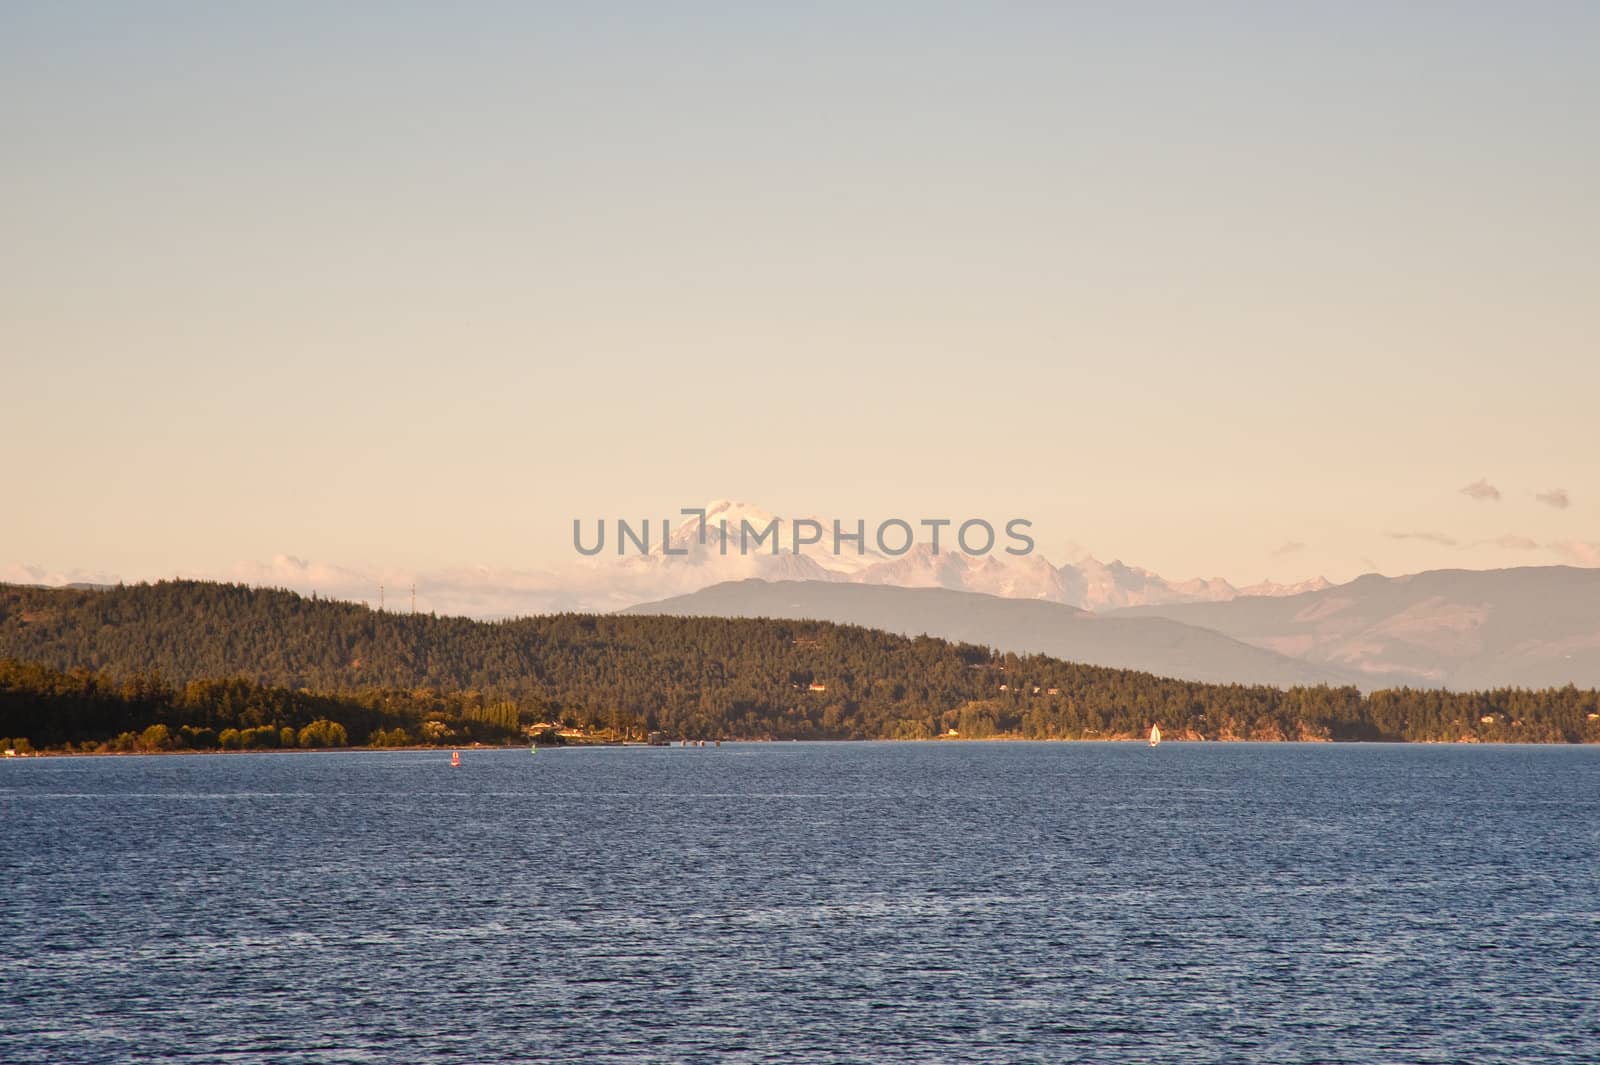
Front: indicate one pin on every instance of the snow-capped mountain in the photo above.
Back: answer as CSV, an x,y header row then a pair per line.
x,y
1025,577
701,552
1273,589
1096,585
698,554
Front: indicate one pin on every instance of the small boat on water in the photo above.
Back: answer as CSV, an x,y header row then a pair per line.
x,y
1155,735
455,758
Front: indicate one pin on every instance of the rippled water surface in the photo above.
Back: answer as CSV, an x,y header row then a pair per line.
x,y
943,902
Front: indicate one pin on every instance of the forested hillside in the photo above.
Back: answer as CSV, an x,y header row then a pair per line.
x,y
89,666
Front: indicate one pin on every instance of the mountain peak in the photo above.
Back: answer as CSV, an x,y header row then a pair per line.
x,y
730,510
718,507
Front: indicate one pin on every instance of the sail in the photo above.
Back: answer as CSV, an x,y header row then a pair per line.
x,y
1155,735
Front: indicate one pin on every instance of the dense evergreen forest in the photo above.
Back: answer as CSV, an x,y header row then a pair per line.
x,y
202,665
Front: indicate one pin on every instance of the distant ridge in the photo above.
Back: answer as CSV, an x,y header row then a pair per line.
x,y
1529,627
1154,645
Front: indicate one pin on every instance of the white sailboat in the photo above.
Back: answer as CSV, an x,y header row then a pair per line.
x,y
1155,735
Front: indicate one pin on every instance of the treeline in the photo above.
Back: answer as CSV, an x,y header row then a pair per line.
x,y
91,666
50,708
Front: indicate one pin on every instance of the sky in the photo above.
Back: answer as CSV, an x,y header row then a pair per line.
x,y
1250,291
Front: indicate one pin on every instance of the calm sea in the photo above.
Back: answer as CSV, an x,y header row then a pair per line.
x,y
949,902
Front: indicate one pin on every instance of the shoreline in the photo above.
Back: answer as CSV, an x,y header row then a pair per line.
x,y
1135,740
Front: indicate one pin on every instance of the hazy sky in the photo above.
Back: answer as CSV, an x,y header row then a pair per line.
x,y
414,287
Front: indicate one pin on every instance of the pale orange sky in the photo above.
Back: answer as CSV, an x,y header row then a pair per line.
x,y
395,288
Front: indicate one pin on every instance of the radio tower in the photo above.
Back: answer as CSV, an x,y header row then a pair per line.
x,y
413,597
380,598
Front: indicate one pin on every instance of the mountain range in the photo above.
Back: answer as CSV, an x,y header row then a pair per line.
x,y
711,553
697,555
1147,644
1531,627
1459,629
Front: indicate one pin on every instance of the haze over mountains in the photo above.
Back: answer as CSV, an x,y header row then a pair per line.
x,y
1462,629
1152,645
712,554
1533,626
608,582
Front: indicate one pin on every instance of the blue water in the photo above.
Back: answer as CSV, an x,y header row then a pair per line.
x,y
946,902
